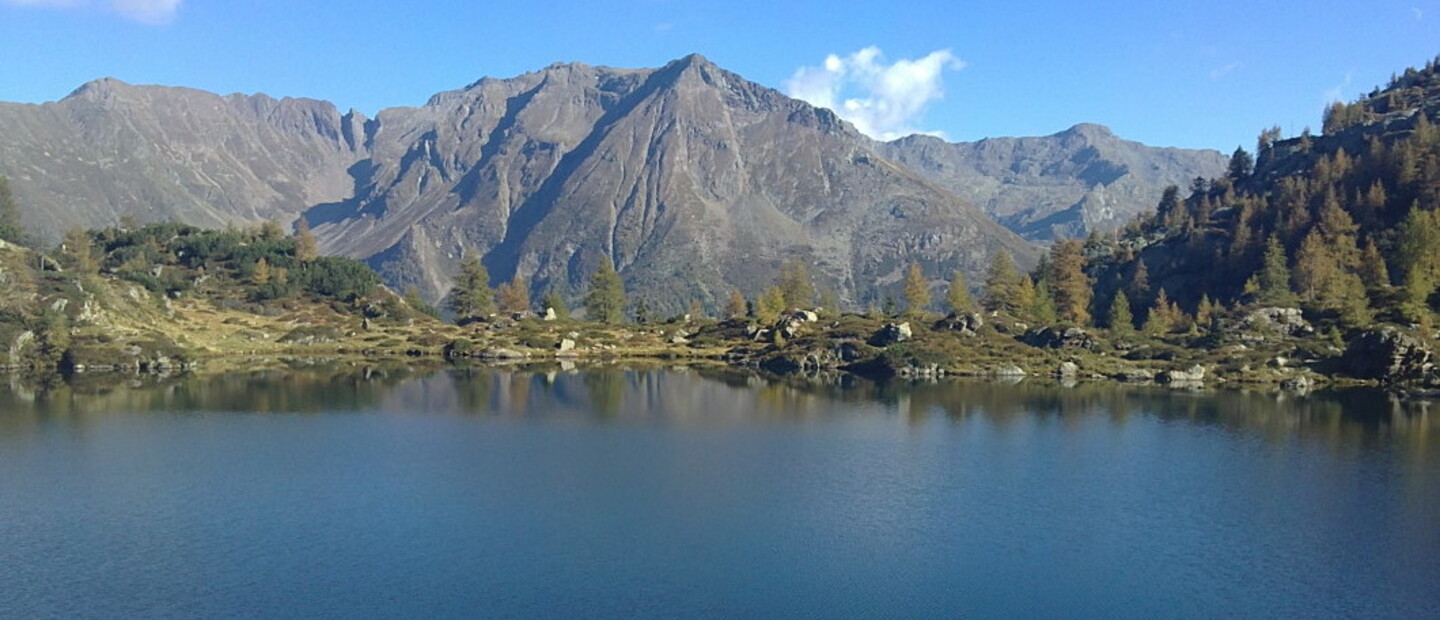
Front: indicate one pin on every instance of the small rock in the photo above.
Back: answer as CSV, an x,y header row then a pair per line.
x,y
549,314
1068,369
891,333
1195,375
1010,371
966,324
565,345
501,354
1299,384
1056,338
1135,375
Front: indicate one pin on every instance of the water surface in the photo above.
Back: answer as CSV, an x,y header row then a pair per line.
x,y
662,493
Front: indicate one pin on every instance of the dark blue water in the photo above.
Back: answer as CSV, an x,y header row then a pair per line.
x,y
623,494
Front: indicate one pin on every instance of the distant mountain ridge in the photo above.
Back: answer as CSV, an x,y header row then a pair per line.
x,y
691,179
1066,184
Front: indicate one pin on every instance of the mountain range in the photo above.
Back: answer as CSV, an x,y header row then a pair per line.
x,y
691,179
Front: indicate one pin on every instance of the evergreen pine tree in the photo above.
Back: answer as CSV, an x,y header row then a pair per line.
x,y
917,289
605,301
735,307
472,299
10,228
1071,288
1419,255
261,276
79,252
513,297
1273,279
1043,308
1372,267
306,249
1120,319
770,305
957,296
796,285
1160,320
1002,284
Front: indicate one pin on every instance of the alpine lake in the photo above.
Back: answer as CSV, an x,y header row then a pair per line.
x,y
662,492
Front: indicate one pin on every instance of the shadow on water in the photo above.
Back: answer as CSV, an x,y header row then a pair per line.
x,y
680,395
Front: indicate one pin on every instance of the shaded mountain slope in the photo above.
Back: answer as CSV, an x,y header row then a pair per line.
x,y
1067,184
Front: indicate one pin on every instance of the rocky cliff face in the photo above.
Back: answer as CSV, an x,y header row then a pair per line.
x,y
690,178
1068,184
110,150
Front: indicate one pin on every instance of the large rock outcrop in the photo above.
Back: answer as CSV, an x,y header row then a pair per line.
x,y
1388,355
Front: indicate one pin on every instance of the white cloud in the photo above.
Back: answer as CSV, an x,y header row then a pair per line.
x,y
146,11
1220,72
1419,14
883,100
1337,92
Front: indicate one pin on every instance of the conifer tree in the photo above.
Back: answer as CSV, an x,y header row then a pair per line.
x,y
1071,288
1314,265
10,227
1161,319
796,285
1139,288
770,305
472,299
917,289
735,306
1120,319
1372,267
957,296
1205,312
261,277
1002,285
1024,297
306,249
79,252
1043,307
605,301
513,297
1241,165
1273,279
555,301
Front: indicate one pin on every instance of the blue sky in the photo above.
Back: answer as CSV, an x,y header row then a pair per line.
x,y
1204,74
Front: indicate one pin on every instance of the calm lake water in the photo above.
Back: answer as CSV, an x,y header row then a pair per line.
x,y
681,493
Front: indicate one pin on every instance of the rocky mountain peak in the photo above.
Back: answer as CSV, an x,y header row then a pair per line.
x,y
1088,131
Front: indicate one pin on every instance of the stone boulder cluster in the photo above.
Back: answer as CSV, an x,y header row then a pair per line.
x,y
1059,338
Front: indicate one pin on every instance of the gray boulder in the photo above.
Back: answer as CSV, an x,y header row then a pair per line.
x,y
1299,384
1010,371
1285,321
1067,370
966,324
1135,375
891,333
1058,338
1388,355
1194,375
